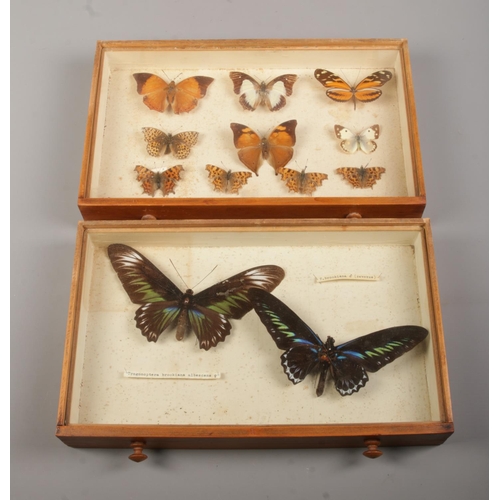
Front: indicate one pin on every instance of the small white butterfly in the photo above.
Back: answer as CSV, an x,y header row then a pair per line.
x,y
351,142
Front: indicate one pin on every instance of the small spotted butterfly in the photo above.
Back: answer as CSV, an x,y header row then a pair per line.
x,y
364,140
301,182
367,90
159,142
225,180
152,181
361,177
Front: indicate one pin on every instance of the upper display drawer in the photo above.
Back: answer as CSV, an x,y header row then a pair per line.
x,y
252,128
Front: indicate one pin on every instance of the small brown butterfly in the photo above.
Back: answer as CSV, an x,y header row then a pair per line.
x,y
366,90
151,181
179,144
159,95
253,93
301,182
225,180
361,177
277,149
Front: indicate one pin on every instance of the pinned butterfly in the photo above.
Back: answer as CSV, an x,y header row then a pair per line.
x,y
347,364
362,177
301,182
152,181
367,90
158,142
277,149
160,95
270,94
165,306
351,142
226,181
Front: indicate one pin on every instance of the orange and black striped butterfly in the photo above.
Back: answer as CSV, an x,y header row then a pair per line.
x,y
277,149
361,177
301,182
225,180
253,93
151,181
159,95
367,90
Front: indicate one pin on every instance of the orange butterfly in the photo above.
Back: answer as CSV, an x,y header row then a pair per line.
x,y
361,177
225,180
366,90
277,149
300,182
179,144
253,93
159,95
151,181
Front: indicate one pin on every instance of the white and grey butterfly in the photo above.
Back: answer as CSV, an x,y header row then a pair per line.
x,y
253,93
364,140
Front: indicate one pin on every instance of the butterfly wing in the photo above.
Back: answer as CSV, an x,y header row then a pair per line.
x,y
310,181
349,140
301,345
291,178
148,179
337,88
187,92
366,139
249,146
368,90
218,177
237,180
169,178
280,144
228,299
370,176
154,90
370,353
248,87
276,90
145,284
156,140
182,144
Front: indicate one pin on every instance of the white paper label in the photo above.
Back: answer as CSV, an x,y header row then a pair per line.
x,y
176,375
349,276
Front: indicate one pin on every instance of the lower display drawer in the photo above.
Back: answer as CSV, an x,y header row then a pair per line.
x,y
254,334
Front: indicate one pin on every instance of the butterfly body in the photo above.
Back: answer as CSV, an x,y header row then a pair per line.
x,y
347,364
362,177
227,181
363,141
270,94
159,142
181,97
301,182
164,306
367,90
276,149
152,181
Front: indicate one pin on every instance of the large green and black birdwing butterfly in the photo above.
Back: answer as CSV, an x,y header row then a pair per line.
x,y
165,306
347,363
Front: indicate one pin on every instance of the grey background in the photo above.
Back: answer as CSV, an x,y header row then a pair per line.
x,y
53,45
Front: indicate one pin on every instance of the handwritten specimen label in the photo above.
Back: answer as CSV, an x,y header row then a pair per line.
x,y
171,375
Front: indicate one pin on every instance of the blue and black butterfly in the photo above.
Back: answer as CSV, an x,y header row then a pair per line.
x,y
347,363
164,306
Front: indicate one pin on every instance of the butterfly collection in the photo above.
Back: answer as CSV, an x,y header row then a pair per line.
x,y
254,148
209,313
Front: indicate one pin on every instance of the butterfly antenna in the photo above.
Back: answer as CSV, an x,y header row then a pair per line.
x,y
205,277
179,274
